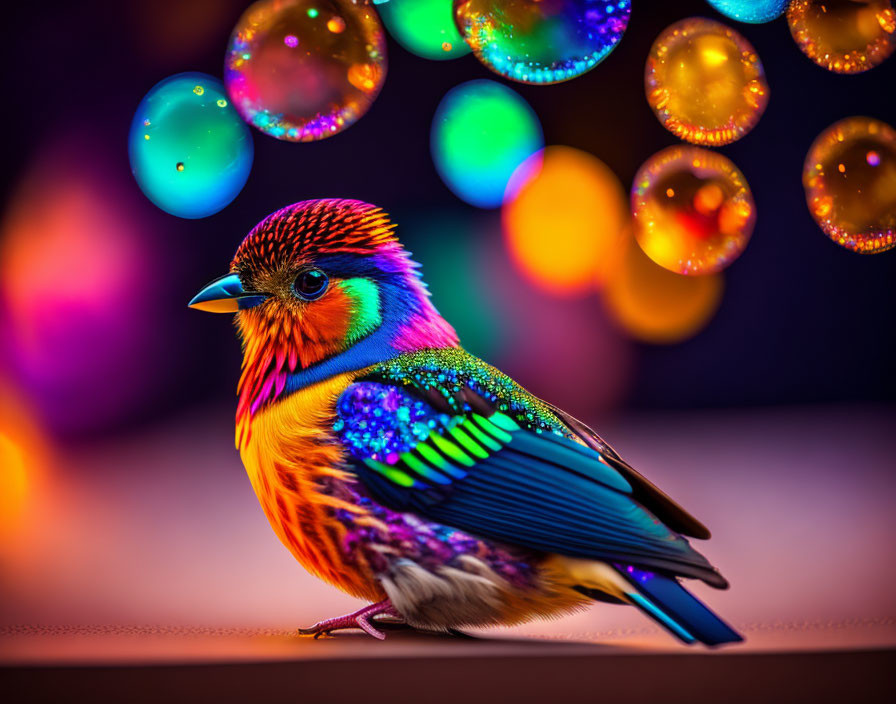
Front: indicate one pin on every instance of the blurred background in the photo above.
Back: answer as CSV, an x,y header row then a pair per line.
x,y
771,407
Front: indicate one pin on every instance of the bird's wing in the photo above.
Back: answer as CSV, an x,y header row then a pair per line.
x,y
645,491
477,469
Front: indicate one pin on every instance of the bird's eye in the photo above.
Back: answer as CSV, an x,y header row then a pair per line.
x,y
311,284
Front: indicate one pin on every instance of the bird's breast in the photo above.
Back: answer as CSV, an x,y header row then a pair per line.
x,y
294,464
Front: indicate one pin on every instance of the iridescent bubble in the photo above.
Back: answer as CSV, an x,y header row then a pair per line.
x,y
541,42
693,210
850,182
481,132
752,11
705,82
303,70
424,27
190,152
844,36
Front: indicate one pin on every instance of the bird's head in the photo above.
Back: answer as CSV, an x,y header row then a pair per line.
x,y
319,288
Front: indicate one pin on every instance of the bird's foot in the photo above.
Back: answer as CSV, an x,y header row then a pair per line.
x,y
359,619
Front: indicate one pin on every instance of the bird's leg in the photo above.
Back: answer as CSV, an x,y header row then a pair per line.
x,y
359,619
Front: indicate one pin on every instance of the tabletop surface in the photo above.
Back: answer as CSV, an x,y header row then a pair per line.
x,y
152,552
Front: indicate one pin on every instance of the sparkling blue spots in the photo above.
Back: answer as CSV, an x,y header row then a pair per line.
x,y
381,422
641,576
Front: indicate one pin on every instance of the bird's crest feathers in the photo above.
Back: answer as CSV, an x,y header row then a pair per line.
x,y
314,227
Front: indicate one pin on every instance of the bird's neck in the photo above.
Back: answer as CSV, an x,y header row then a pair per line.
x,y
271,370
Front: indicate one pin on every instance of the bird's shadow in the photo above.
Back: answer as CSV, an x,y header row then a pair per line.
x,y
399,633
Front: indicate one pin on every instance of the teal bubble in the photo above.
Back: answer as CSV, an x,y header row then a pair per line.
x,y
752,11
424,27
189,150
481,132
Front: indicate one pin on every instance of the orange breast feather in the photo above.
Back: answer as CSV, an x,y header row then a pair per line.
x,y
293,464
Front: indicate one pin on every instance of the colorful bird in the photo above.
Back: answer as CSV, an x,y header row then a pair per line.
x,y
403,470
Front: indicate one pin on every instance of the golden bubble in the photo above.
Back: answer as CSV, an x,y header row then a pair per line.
x,y
336,25
446,46
850,182
564,219
845,36
705,82
179,166
198,90
707,220
652,304
222,103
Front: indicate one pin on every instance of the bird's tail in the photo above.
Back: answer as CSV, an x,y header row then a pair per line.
x,y
675,608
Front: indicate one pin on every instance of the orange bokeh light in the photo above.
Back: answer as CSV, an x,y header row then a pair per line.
x,y
23,458
653,304
45,245
13,479
563,218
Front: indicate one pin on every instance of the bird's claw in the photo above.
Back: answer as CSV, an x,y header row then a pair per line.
x,y
325,628
315,631
359,619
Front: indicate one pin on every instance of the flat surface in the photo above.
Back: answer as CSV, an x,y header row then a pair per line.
x,y
570,674
163,528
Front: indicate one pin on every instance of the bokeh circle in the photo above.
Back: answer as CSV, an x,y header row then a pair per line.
x,y
424,27
564,218
655,305
481,132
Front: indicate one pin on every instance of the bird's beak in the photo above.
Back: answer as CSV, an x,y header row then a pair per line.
x,y
226,295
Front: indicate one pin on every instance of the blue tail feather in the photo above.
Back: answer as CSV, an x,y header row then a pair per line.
x,y
675,608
